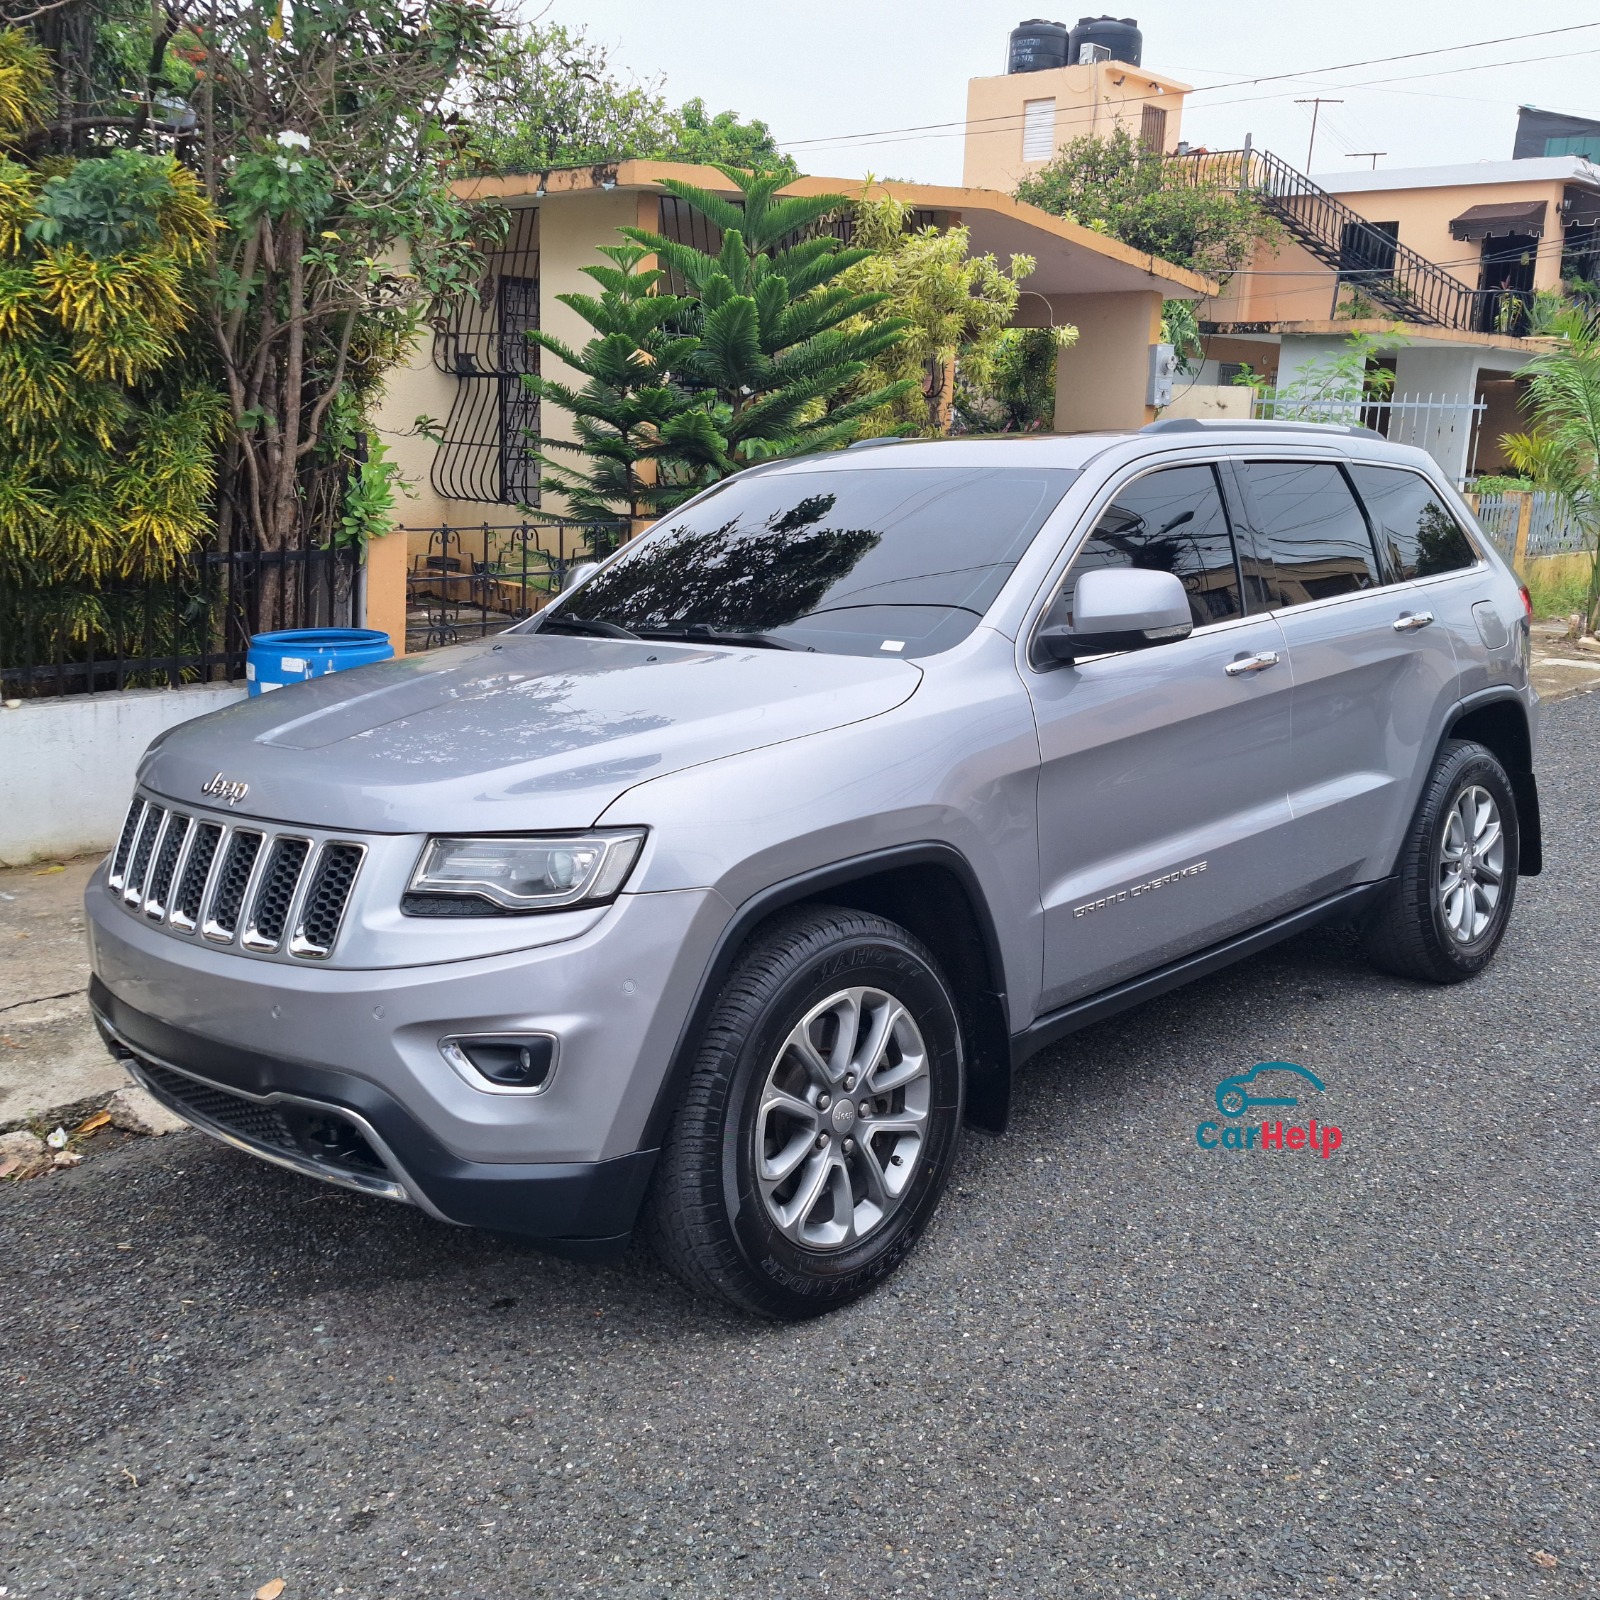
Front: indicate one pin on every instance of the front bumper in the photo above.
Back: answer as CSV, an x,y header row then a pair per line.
x,y
342,1129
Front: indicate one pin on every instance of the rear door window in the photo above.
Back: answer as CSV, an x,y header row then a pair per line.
x,y
1320,545
1415,531
1171,520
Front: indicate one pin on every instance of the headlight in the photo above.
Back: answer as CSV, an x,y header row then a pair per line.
x,y
538,872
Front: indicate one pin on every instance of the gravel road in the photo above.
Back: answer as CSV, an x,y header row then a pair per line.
x,y
1119,1365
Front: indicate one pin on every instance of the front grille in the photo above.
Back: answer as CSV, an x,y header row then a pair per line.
x,y
196,870
326,900
228,901
133,886
161,875
270,912
312,1133
130,831
273,894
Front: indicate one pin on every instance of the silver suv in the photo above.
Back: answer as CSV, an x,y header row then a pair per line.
x,y
716,897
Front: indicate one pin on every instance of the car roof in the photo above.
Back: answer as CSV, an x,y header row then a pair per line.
x,y
1076,450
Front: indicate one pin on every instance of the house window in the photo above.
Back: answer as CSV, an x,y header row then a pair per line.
x,y
1038,130
1153,128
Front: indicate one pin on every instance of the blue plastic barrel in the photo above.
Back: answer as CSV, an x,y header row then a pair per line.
x,y
296,654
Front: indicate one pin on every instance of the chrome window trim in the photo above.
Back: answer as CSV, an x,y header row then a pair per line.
x,y
399,1187
250,938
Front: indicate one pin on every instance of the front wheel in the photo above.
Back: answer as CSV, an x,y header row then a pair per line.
x,y
821,1119
1447,912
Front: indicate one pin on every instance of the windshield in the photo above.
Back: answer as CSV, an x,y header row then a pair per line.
x,y
875,560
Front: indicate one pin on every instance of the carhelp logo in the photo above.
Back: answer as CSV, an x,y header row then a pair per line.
x,y
1234,1098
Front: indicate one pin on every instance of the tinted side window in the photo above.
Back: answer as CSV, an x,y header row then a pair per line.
x,y
1413,528
1319,539
1168,521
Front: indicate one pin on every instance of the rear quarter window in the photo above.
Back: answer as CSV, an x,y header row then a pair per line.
x,y
1415,530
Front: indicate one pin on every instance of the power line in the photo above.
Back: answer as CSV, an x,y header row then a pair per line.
x,y
1234,83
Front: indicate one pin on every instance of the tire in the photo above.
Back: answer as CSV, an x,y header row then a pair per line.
x,y
1423,929
769,1082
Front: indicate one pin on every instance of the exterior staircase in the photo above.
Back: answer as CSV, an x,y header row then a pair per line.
x,y
1368,259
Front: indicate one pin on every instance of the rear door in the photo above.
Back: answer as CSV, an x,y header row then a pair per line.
x,y
1372,670
1163,787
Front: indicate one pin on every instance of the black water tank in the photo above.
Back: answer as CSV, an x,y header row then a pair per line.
x,y
1037,45
1120,36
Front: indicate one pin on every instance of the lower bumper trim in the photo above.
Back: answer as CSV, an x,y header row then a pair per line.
x,y
586,1208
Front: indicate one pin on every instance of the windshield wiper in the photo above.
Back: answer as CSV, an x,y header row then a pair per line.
x,y
590,625
699,635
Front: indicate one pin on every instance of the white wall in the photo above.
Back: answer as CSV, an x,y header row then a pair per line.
x,y
67,765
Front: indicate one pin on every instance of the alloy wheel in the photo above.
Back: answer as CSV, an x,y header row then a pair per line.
x,y
842,1121
1471,868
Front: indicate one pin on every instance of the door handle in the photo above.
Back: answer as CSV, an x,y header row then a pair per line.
x,y
1410,621
1259,662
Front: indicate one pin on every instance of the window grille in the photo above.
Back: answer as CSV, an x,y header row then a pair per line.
x,y
486,450
1153,128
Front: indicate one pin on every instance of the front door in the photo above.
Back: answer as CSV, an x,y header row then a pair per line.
x,y
1163,809
1371,666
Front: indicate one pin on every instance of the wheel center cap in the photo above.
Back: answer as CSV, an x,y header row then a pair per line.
x,y
843,1115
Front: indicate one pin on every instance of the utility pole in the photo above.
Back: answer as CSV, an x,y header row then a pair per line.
x,y
1316,103
1361,155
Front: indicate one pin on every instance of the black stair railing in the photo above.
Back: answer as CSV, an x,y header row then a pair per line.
x,y
1409,285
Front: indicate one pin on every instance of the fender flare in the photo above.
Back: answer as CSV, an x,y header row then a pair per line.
x,y
986,1020
1524,785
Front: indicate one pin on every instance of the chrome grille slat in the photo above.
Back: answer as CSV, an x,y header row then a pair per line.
x,y
273,893
235,881
133,887
164,867
130,831
195,875
328,893
270,904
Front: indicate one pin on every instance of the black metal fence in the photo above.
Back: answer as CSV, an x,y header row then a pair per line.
x,y
470,581
193,626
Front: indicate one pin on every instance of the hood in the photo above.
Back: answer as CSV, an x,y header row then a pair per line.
x,y
520,731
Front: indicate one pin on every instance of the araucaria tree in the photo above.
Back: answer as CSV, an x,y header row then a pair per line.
x,y
756,359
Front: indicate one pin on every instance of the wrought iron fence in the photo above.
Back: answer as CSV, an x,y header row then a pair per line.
x,y
191,626
470,581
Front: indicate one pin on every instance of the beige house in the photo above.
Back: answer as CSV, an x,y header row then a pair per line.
x,y
1016,122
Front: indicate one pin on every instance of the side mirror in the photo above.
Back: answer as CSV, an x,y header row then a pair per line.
x,y
1120,608
579,574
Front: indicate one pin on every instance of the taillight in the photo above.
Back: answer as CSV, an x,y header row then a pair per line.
x,y
1527,600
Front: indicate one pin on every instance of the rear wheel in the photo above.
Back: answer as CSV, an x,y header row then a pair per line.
x,y
1444,918
821,1120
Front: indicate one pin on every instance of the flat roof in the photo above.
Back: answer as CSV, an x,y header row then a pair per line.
x,y
1383,329
1071,259
1541,169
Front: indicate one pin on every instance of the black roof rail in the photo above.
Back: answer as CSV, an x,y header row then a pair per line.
x,y
867,444
1225,424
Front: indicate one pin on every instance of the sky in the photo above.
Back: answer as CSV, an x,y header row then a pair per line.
x,y
825,73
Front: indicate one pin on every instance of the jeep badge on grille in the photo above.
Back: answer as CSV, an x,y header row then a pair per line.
x,y
229,789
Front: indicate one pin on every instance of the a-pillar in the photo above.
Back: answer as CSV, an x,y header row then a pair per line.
x,y
1101,381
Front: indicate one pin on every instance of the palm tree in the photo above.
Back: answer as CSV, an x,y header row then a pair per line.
x,y
1562,452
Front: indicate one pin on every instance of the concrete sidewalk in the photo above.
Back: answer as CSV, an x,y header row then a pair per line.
x,y
51,1057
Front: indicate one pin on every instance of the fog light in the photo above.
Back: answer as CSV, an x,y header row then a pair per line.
x,y
503,1063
